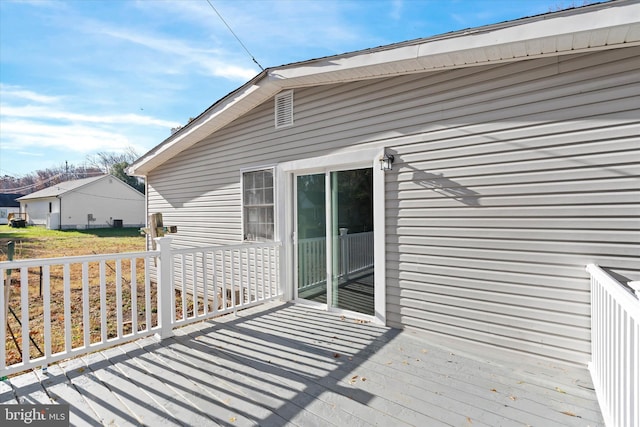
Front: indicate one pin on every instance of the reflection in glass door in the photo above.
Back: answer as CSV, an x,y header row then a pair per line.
x,y
352,272
311,232
348,210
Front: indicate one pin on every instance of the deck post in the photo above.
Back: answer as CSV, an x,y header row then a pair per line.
x,y
165,287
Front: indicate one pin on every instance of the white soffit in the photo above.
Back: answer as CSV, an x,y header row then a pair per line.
x,y
617,25
608,26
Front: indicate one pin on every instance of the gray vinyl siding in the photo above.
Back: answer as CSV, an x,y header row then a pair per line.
x,y
508,179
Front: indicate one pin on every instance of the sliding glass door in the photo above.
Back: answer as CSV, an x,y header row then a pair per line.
x,y
334,236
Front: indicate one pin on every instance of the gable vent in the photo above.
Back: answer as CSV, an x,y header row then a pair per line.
x,y
284,109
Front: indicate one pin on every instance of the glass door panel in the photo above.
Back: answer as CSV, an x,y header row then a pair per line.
x,y
311,235
352,266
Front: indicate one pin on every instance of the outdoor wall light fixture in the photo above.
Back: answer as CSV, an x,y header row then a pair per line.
x,y
386,160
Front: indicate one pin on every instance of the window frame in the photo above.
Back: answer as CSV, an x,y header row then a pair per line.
x,y
244,206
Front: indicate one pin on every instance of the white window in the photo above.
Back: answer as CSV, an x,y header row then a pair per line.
x,y
257,204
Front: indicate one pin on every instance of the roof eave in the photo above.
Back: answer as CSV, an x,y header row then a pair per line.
x,y
605,27
223,112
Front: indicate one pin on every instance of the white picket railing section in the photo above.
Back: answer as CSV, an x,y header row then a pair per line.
x,y
121,281
107,300
227,278
615,349
355,254
312,262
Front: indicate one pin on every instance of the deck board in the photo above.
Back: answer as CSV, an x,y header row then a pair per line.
x,y
61,390
179,395
283,364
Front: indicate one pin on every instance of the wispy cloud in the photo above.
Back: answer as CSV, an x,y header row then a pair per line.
x,y
181,55
41,113
16,92
33,123
78,138
396,9
39,3
275,32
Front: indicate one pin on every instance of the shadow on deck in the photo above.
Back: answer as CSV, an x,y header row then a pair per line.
x,y
281,364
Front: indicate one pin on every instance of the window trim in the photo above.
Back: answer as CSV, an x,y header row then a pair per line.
x,y
243,233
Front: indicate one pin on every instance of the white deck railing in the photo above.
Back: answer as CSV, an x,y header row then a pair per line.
x,y
312,262
84,289
355,254
615,349
104,300
227,278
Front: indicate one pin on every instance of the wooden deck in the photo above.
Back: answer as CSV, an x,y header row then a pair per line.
x,y
282,364
356,294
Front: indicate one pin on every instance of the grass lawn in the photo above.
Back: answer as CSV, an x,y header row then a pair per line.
x,y
38,242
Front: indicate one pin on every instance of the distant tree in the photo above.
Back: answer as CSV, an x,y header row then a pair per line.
x,y
44,178
119,171
116,164
99,164
105,160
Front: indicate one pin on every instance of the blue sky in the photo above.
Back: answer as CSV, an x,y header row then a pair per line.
x,y
85,76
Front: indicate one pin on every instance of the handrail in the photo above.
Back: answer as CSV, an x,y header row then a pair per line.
x,y
37,262
225,247
615,349
627,300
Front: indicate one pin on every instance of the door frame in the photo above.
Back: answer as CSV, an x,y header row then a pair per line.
x,y
356,159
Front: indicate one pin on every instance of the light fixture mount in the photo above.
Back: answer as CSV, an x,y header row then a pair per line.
x,y
386,162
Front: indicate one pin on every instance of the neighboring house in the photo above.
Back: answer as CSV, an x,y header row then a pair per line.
x,y
8,205
516,162
98,202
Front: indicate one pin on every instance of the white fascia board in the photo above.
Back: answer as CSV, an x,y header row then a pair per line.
x,y
594,26
330,66
540,37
